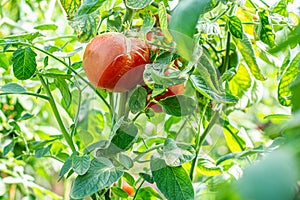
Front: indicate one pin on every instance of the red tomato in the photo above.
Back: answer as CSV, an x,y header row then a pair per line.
x,y
171,91
115,63
127,188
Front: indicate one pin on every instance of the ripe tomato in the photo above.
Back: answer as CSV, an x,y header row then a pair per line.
x,y
115,63
171,91
127,188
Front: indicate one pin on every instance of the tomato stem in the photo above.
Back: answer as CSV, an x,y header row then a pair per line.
x,y
127,17
201,139
56,114
123,105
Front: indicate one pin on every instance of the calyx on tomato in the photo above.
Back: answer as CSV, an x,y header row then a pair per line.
x,y
115,63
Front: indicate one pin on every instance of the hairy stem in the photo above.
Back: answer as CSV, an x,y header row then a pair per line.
x,y
57,115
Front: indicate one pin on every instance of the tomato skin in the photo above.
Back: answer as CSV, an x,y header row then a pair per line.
x,y
171,91
115,63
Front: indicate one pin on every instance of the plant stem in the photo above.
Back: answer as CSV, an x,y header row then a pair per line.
x,y
127,17
30,94
123,110
147,151
226,61
137,190
201,140
77,74
57,115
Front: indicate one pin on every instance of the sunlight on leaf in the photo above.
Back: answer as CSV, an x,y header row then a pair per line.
x,y
247,51
241,82
291,72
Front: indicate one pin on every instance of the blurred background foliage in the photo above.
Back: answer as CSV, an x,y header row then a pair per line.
x,y
30,167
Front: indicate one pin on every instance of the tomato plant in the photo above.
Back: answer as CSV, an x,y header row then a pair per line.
x,y
145,99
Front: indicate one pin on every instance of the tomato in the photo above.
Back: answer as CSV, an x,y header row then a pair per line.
x,y
127,188
171,91
115,63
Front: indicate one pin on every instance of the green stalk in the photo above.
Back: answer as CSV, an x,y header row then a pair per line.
x,y
30,94
201,140
226,61
123,105
77,74
127,17
147,151
57,115
137,190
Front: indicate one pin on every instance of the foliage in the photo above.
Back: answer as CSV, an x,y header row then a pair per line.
x,y
231,134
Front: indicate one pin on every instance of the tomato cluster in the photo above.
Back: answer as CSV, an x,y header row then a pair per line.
x,y
116,63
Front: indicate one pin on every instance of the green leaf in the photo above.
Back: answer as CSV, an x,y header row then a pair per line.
x,y
81,164
291,72
236,27
63,87
245,47
129,178
89,6
24,63
234,142
137,99
162,16
122,140
173,182
147,177
40,152
241,82
148,24
47,27
183,24
138,4
170,122
208,81
67,165
178,105
148,193
70,7
292,40
4,62
118,192
280,8
207,166
295,100
203,85
175,154
91,125
126,161
8,148
101,174
12,88
85,26
265,30
25,117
